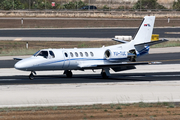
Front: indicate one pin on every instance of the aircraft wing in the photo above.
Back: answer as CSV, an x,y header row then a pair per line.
x,y
98,66
123,64
17,58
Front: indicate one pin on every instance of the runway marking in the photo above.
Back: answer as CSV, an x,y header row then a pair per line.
x,y
166,75
9,79
18,39
156,76
172,32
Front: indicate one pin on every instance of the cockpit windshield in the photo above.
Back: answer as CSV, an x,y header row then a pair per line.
x,y
45,54
35,54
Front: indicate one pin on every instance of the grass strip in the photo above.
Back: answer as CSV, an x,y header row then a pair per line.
x,y
96,106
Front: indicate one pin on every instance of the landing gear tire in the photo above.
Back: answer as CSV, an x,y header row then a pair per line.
x,y
69,74
104,76
31,76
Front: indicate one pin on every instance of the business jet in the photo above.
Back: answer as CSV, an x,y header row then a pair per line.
x,y
116,57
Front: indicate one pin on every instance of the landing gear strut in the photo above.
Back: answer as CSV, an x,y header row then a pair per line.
x,y
68,73
132,59
31,76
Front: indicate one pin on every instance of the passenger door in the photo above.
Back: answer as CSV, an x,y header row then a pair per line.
x,y
66,59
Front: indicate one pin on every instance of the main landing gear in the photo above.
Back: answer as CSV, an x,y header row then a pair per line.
x,y
68,73
31,76
105,73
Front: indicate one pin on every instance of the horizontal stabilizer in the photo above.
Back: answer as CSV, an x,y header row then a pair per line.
x,y
121,41
153,42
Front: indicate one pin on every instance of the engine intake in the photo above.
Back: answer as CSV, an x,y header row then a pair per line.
x,y
115,55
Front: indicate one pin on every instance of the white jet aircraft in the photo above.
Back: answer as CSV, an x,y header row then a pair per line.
x,y
117,57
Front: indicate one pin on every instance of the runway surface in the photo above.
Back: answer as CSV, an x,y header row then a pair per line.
x,y
146,84
12,34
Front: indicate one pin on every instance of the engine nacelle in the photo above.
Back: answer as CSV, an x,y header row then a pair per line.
x,y
115,55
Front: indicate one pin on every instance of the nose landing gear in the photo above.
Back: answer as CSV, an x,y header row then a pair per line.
x,y
31,76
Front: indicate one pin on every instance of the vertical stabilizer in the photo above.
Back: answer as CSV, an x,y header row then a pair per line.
x,y
145,30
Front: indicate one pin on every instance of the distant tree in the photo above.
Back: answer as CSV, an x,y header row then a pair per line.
x,y
148,4
121,7
80,4
70,5
38,4
11,4
176,5
105,7
7,4
74,5
18,5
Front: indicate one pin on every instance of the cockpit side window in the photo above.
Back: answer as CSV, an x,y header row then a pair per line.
x,y
52,54
43,53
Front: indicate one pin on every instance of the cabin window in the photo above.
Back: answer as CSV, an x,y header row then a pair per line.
x,y
52,54
92,54
43,54
76,54
86,54
66,55
71,54
81,54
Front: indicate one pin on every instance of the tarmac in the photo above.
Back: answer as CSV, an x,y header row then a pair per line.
x,y
89,93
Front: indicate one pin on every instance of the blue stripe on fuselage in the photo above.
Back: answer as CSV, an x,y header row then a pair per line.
x,y
47,63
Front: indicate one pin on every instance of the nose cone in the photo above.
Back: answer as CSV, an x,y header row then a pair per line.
x,y
20,65
24,64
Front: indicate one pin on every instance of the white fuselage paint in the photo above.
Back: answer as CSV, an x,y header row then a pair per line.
x,y
75,59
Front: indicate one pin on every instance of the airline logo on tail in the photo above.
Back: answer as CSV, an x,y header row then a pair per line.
x,y
147,25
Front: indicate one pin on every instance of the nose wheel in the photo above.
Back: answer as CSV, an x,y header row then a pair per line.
x,y
31,76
